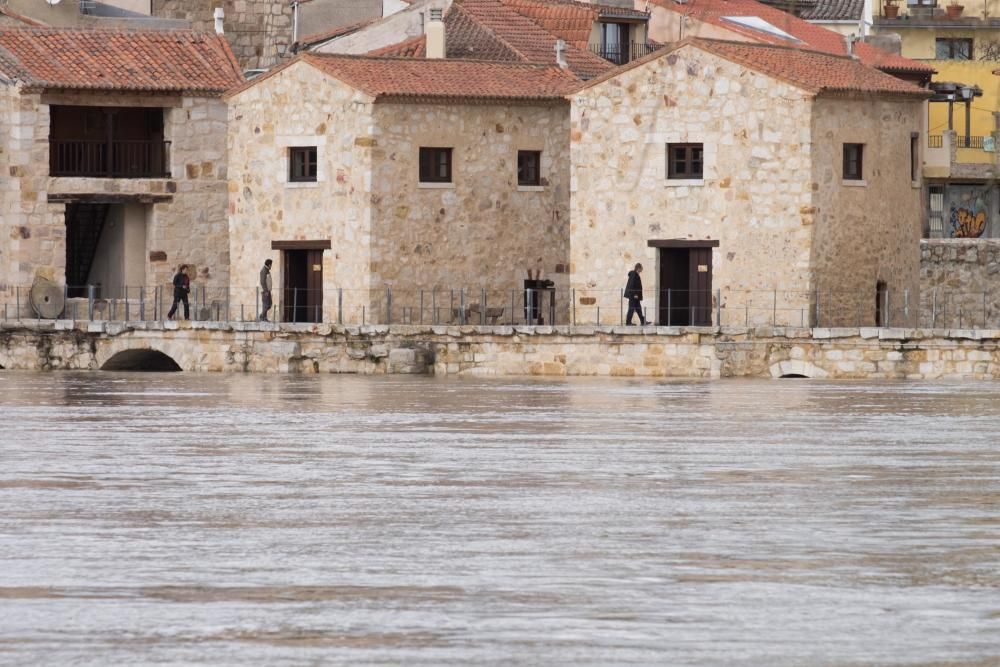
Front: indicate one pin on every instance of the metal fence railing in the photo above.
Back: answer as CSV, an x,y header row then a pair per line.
x,y
935,308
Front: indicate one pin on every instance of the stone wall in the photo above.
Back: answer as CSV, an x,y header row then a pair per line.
x,y
259,31
499,351
187,224
755,198
867,231
300,106
482,231
960,283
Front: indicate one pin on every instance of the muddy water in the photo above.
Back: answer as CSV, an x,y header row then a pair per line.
x,y
236,520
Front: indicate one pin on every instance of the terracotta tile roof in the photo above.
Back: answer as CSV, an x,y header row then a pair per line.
x,y
468,37
812,36
571,20
532,42
149,60
452,79
835,10
415,47
812,71
489,30
9,17
318,37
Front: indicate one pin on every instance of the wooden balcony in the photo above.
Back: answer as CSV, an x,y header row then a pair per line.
x,y
110,159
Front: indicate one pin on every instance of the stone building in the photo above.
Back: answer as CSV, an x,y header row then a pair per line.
x,y
762,181
356,174
259,31
114,154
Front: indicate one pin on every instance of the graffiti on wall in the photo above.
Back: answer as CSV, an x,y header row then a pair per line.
x,y
970,211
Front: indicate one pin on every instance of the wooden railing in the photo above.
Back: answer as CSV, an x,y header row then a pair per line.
x,y
142,158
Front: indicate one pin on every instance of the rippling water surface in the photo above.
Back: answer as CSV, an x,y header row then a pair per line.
x,y
285,520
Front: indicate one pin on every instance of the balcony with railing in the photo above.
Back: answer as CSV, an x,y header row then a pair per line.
x,y
136,158
108,142
619,54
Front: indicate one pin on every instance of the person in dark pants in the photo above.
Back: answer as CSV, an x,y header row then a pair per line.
x,y
633,292
265,290
182,285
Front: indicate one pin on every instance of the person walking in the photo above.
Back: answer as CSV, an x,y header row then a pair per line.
x,y
182,286
633,292
265,290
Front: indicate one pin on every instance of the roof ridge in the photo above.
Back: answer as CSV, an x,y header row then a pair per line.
x,y
366,56
767,45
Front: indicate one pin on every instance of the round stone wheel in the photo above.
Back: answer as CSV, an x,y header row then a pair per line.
x,y
46,299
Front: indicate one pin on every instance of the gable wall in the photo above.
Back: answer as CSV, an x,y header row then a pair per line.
x,y
754,199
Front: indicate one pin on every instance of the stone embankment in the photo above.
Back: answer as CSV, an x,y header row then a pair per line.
x,y
695,352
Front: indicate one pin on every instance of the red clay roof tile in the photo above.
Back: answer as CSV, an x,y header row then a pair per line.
x,y
149,60
812,71
442,78
810,35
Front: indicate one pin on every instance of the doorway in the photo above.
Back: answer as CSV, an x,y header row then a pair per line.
x,y
881,304
302,285
685,283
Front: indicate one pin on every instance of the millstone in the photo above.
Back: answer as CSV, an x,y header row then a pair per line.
x,y
46,299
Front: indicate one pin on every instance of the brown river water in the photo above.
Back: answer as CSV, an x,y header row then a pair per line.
x,y
179,519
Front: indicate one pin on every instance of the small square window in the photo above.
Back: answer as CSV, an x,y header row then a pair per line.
x,y
435,165
529,167
302,164
853,164
685,161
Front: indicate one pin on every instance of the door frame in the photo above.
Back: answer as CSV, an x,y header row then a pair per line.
x,y
315,284
700,298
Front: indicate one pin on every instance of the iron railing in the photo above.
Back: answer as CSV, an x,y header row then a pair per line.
x,y
128,159
620,54
962,141
932,309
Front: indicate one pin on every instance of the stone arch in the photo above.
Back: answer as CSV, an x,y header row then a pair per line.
x,y
141,359
796,368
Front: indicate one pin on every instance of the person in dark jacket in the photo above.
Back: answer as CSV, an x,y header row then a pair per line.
x,y
182,286
633,292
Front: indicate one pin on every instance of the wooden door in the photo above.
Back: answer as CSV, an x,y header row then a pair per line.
x,y
700,281
314,286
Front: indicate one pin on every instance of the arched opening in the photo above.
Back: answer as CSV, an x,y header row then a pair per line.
x,y
151,361
794,375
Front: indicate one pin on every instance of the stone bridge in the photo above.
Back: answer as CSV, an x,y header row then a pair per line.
x,y
695,352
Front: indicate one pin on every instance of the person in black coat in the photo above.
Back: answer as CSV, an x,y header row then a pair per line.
x,y
633,292
182,285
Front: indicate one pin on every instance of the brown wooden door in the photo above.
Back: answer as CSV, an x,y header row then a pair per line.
x,y
700,281
314,286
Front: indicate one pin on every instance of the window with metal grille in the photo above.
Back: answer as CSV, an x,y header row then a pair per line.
x,y
685,161
529,167
302,164
853,166
435,165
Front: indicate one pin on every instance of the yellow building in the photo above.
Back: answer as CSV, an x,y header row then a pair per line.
x,y
960,164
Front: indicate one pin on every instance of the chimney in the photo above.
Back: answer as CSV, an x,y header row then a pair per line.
x,y
435,35
850,41
218,15
561,53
